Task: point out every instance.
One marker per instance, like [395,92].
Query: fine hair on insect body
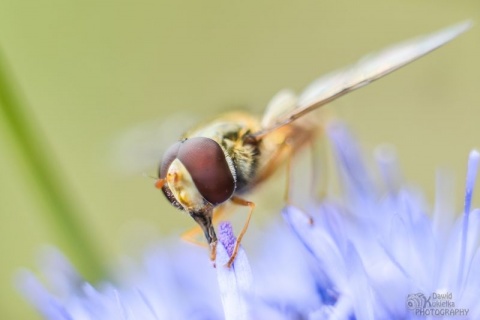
[221,160]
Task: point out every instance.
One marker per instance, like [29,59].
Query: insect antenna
[158,182]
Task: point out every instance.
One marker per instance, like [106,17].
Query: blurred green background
[90,71]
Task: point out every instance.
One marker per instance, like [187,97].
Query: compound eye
[207,164]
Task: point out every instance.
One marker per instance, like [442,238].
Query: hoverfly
[225,158]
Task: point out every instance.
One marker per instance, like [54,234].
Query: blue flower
[372,252]
[235,283]
[170,284]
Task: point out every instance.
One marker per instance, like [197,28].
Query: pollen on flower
[226,236]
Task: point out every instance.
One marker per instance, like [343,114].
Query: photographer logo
[435,304]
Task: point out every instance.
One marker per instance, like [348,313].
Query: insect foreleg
[244,203]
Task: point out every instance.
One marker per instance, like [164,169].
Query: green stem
[64,214]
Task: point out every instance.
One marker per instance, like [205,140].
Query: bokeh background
[90,71]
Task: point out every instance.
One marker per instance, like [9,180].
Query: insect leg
[319,158]
[288,177]
[244,203]
[191,236]
[317,187]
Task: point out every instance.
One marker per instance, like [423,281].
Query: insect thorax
[244,155]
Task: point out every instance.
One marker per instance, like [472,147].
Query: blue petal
[352,170]
[322,247]
[47,304]
[473,163]
[236,282]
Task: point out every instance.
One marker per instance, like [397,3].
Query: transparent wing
[139,149]
[367,70]
[283,102]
